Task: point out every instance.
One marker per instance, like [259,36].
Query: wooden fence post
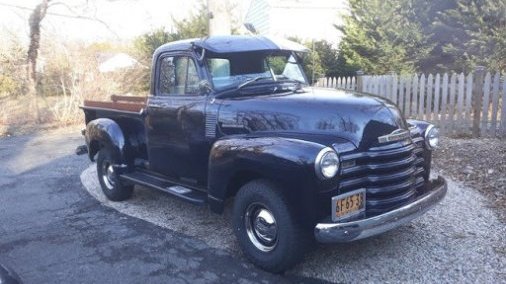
[444,102]
[394,89]
[460,126]
[495,103]
[469,97]
[479,74]
[503,111]
[485,102]
[360,82]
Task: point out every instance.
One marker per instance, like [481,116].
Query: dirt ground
[18,115]
[479,163]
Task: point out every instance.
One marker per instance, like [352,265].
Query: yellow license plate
[348,204]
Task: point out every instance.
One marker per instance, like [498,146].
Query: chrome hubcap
[108,176]
[261,227]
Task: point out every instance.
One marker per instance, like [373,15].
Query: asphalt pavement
[53,231]
[57,227]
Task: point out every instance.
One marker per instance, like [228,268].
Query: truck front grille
[392,174]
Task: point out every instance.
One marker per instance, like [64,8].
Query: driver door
[176,121]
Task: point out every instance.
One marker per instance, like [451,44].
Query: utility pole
[313,59]
[219,17]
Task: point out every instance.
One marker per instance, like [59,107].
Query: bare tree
[34,21]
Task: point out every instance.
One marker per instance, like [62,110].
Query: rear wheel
[266,229]
[108,178]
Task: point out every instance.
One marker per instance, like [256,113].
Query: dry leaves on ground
[480,163]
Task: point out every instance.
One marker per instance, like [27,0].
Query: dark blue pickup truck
[233,117]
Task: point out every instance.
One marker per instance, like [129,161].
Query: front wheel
[108,178]
[267,231]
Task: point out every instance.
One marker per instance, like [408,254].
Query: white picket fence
[348,83]
[450,101]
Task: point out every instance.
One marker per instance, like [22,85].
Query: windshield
[233,70]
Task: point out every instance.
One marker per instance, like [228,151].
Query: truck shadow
[327,262]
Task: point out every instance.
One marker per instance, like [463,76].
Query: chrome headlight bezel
[323,171]
[431,137]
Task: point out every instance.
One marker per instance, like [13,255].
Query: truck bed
[119,108]
[118,103]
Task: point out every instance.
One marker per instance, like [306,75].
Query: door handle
[156,106]
[143,112]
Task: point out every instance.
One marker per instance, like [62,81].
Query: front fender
[421,125]
[104,132]
[287,162]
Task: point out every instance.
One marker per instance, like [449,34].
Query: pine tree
[379,37]
[333,62]
[427,13]
[476,31]
[425,35]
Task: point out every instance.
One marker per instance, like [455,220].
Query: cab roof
[233,43]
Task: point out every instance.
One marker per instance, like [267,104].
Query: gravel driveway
[459,241]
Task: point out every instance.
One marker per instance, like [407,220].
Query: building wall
[258,15]
[305,19]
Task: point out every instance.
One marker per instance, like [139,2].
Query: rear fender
[104,132]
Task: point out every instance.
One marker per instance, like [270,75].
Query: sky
[123,19]
[126,19]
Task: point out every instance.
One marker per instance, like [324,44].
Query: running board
[145,179]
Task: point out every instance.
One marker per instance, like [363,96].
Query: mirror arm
[205,87]
[201,58]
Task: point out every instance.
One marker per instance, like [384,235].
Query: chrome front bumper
[355,230]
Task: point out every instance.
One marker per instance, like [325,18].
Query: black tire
[292,240]
[110,183]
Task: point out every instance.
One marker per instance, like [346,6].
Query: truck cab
[235,118]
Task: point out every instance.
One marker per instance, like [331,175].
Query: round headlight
[327,163]
[431,137]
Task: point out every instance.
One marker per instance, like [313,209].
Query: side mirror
[205,87]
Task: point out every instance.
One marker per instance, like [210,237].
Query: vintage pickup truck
[234,118]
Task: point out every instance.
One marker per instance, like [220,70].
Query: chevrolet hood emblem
[396,135]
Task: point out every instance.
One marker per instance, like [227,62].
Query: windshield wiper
[232,92]
[242,85]
[298,84]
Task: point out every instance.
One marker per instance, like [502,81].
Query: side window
[178,76]
[181,67]
[167,76]
[220,71]
[192,81]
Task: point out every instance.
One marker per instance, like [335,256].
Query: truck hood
[358,118]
